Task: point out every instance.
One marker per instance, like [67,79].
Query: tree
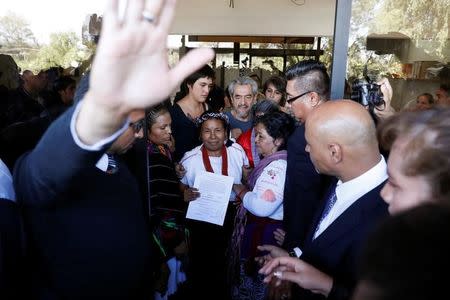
[418,19]
[63,50]
[15,32]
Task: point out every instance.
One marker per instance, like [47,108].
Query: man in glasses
[308,86]
[125,141]
[88,231]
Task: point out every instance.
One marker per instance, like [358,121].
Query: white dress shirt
[97,146]
[6,183]
[349,192]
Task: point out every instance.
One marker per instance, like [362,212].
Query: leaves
[15,32]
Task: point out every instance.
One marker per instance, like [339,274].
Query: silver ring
[147,16]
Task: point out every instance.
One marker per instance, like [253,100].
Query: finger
[280,231]
[192,61]
[265,248]
[166,17]
[289,276]
[153,8]
[268,278]
[270,266]
[110,20]
[259,260]
[133,11]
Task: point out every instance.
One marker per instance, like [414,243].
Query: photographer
[376,97]
[387,110]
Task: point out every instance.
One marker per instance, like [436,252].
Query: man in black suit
[308,86]
[341,141]
[11,247]
[90,235]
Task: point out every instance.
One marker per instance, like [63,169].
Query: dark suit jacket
[335,251]
[303,190]
[88,232]
[12,271]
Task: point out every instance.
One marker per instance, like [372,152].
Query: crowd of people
[329,199]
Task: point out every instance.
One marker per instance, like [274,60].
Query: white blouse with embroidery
[266,198]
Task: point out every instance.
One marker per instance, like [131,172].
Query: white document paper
[215,191]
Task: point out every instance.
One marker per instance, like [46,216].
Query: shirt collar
[102,163]
[357,187]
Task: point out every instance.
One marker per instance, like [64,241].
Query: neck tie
[112,165]
[328,206]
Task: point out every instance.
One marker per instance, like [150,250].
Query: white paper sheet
[215,191]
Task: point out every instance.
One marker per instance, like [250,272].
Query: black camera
[367,93]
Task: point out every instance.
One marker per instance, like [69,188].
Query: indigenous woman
[217,155]
[261,212]
[167,205]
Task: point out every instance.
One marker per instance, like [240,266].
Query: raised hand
[386,90]
[131,69]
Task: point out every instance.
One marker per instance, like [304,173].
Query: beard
[241,113]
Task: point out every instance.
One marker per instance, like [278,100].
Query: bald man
[341,141]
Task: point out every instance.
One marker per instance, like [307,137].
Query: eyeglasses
[137,126]
[290,100]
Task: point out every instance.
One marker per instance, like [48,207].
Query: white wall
[255,17]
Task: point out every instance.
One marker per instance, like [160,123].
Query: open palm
[131,70]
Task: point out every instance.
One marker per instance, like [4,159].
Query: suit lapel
[318,214]
[347,221]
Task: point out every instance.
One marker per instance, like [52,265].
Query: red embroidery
[269,196]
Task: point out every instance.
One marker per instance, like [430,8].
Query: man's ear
[314,99]
[335,152]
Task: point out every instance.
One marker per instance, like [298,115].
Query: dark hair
[279,125]
[209,115]
[154,112]
[263,107]
[445,88]
[280,84]
[310,75]
[205,71]
[429,97]
[62,83]
[427,137]
[407,257]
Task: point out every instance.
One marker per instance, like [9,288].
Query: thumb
[191,62]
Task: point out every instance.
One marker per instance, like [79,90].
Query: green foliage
[17,39]
[64,49]
[15,32]
[418,19]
